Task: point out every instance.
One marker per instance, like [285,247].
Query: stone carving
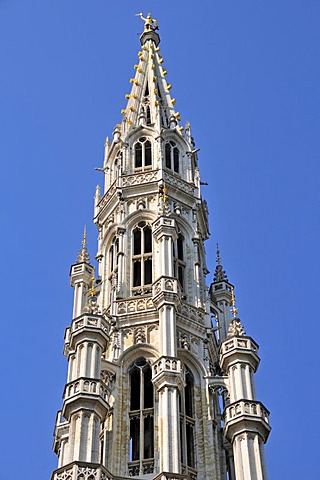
[236,328]
[139,335]
[66,475]
[107,377]
[139,178]
[132,306]
[192,313]
[91,306]
[107,196]
[179,183]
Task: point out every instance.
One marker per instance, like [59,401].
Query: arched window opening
[187,424]
[172,156]
[143,152]
[142,259]
[138,155]
[141,414]
[113,260]
[148,116]
[178,260]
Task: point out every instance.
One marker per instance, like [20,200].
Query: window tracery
[179,264]
[172,156]
[187,423]
[142,153]
[142,258]
[141,414]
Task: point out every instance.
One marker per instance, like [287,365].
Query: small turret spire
[219,274]
[83,255]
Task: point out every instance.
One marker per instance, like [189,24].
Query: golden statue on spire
[149,22]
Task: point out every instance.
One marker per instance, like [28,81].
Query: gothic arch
[194,364]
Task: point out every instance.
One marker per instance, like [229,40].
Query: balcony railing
[87,386]
[81,471]
[246,407]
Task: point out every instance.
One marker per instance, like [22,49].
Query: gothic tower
[160,373]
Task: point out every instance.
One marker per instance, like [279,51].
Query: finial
[234,309]
[149,22]
[84,241]
[219,274]
[83,255]
[218,255]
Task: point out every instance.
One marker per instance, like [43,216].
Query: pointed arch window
[112,264]
[142,153]
[142,258]
[179,264]
[187,424]
[141,414]
[172,156]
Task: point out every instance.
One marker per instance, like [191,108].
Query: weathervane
[149,22]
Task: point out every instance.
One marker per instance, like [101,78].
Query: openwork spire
[219,274]
[83,255]
[149,101]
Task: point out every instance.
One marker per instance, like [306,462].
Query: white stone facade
[157,388]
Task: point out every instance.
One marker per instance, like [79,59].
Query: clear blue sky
[246,75]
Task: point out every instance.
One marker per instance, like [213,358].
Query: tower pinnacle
[149,352]
[219,274]
[83,255]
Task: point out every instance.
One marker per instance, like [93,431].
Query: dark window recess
[141,411]
[134,438]
[172,156]
[146,92]
[187,422]
[168,155]
[148,271]
[178,260]
[137,241]
[142,255]
[176,159]
[135,389]
[148,437]
[147,240]
[147,152]
[143,152]
[148,116]
[138,155]
[136,273]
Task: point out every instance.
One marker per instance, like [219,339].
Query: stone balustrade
[246,408]
[166,364]
[166,284]
[172,476]
[89,321]
[88,386]
[81,471]
[239,343]
[106,197]
[139,178]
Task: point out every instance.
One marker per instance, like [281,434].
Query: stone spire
[83,255]
[219,274]
[149,101]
